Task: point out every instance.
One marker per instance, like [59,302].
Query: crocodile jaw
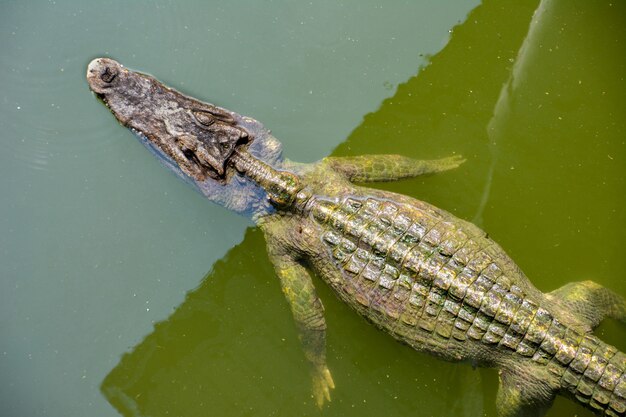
[198,137]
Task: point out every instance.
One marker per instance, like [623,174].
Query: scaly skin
[429,279]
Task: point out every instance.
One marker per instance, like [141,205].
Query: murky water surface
[123,290]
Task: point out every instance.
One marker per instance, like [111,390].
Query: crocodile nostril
[108,75]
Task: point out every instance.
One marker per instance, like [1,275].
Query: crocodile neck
[282,187]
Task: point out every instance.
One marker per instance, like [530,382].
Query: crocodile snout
[102,73]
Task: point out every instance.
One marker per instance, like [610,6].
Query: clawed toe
[322,384]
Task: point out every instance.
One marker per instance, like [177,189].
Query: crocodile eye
[204,118]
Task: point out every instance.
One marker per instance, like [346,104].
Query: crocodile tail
[596,377]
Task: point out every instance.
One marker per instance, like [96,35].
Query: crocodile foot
[445,164]
[322,384]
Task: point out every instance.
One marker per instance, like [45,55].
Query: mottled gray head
[192,138]
[199,137]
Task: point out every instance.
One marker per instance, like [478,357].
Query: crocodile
[432,281]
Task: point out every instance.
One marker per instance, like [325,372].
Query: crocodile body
[429,279]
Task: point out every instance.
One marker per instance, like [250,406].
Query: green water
[123,289]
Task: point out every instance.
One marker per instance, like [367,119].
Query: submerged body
[429,279]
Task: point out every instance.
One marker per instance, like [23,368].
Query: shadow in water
[231,348]
[445,108]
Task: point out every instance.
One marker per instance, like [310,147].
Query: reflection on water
[99,242]
[502,110]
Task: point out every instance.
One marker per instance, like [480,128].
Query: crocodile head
[192,138]
[197,137]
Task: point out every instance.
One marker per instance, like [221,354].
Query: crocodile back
[435,282]
[416,271]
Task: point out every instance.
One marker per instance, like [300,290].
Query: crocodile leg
[591,302]
[371,168]
[308,313]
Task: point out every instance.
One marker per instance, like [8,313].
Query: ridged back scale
[411,269]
